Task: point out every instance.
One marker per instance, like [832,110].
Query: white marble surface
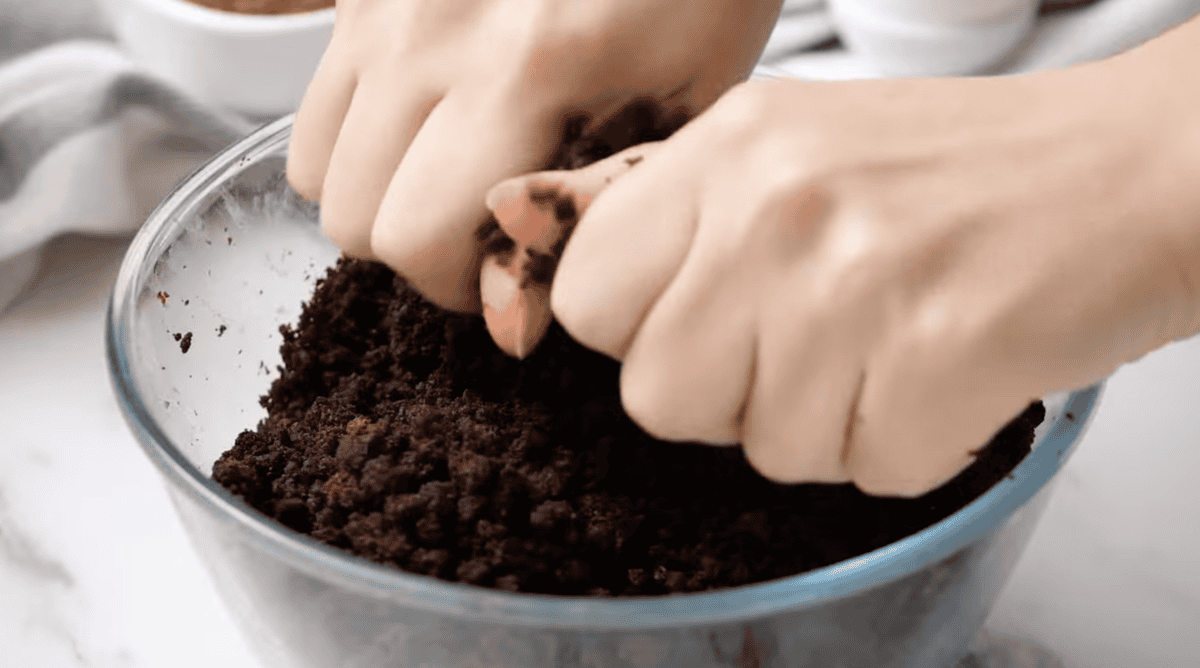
[96,572]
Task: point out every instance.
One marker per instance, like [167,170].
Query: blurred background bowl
[257,65]
[231,255]
[917,38]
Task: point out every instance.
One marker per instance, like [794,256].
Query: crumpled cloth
[90,143]
[1062,37]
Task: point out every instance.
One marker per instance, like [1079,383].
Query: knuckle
[776,462]
[649,401]
[303,181]
[875,481]
[940,337]
[785,454]
[347,236]
[304,171]
[443,279]
[578,316]
[872,484]
[384,240]
[546,76]
[757,456]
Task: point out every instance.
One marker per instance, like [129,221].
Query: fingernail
[530,215]
[499,288]
[516,317]
[505,190]
[534,316]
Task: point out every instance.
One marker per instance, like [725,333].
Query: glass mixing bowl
[193,341]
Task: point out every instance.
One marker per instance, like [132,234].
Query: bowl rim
[984,515]
[219,20]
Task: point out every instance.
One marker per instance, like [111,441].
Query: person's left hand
[419,106]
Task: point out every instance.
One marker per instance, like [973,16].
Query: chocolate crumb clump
[400,432]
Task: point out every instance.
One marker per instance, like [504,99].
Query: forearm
[1154,94]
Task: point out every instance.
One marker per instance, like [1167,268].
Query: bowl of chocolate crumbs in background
[370,482]
[253,57]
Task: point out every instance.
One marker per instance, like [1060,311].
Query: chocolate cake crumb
[185,344]
[399,432]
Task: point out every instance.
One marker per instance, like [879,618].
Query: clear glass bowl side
[295,619]
[231,255]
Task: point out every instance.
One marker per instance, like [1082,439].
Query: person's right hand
[864,281]
[419,106]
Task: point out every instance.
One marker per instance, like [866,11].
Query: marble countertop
[95,570]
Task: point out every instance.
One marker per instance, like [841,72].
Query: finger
[317,125]
[689,368]
[534,216]
[380,125]
[801,408]
[526,207]
[434,206]
[517,267]
[623,253]
[927,410]
[516,310]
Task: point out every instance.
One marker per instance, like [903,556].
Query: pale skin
[856,281]
[420,106]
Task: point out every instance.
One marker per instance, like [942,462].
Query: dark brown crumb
[400,433]
[163,297]
[186,343]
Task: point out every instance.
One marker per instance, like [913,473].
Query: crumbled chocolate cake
[401,433]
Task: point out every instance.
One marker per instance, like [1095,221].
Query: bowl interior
[193,342]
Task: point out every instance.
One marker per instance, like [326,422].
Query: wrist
[1168,66]
[1152,96]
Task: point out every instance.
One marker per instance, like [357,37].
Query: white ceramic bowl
[258,65]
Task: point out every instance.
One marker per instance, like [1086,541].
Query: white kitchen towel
[90,143]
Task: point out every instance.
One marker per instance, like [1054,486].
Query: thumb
[533,217]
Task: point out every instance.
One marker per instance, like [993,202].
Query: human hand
[419,106]
[864,281]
